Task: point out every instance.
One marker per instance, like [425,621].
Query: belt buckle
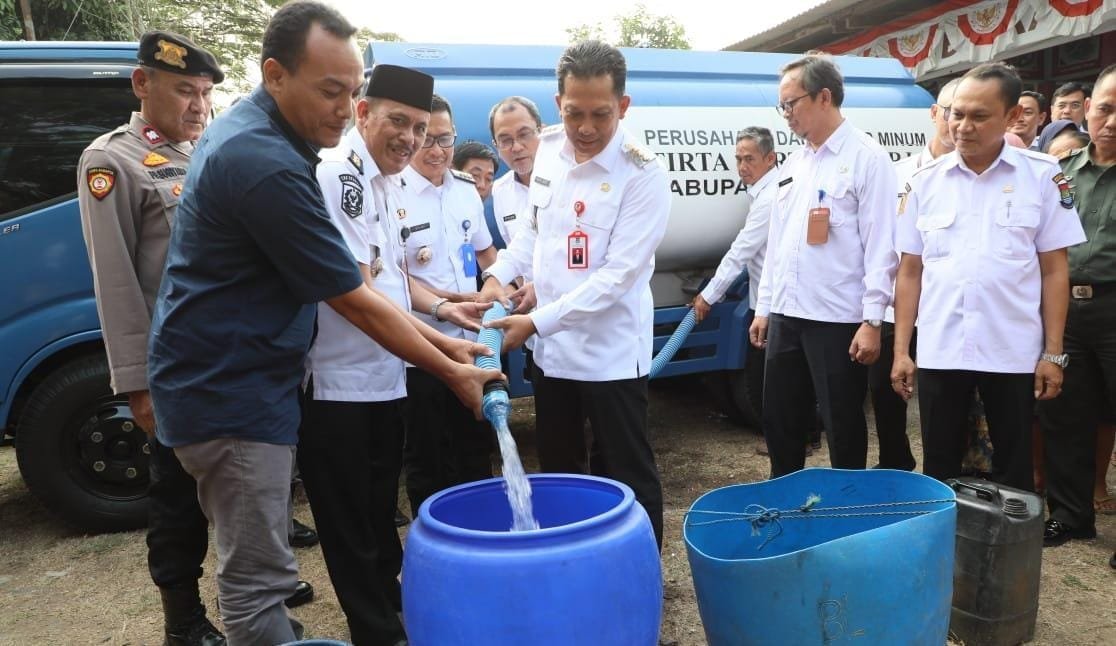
[1082,291]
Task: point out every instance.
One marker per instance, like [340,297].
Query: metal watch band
[434,308]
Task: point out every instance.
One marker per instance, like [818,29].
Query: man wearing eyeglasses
[1069,103]
[445,238]
[830,265]
[515,124]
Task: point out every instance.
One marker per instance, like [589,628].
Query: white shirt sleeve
[354,230]
[908,240]
[1059,227]
[747,244]
[639,228]
[774,232]
[876,203]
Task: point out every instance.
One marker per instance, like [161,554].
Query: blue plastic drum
[870,561]
[589,575]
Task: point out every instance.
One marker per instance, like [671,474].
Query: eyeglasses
[786,107]
[524,138]
[1075,105]
[945,111]
[443,141]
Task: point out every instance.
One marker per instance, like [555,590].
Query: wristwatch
[1060,360]
[485,275]
[434,308]
[876,323]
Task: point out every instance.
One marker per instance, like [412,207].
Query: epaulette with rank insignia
[639,155]
[356,161]
[463,176]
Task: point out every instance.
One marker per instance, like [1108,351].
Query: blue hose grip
[673,343]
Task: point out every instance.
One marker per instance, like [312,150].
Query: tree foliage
[639,28]
[231,29]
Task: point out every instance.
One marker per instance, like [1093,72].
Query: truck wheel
[739,393]
[746,388]
[80,451]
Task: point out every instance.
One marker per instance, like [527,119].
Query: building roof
[832,21]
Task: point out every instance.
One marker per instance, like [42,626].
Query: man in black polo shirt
[252,252]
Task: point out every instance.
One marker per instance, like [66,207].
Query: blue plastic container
[874,579]
[589,575]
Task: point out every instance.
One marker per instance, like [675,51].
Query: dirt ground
[61,587]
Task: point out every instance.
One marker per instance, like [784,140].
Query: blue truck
[76,444]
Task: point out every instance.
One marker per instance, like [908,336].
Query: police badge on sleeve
[352,195]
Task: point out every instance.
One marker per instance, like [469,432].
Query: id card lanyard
[468,253]
[577,243]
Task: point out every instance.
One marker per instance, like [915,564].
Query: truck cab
[77,446]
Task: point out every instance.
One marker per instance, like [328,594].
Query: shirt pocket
[936,229]
[1013,233]
[538,199]
[597,222]
[169,194]
[422,244]
[841,200]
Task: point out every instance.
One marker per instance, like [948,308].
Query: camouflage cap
[170,52]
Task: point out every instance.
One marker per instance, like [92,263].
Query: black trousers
[890,409]
[350,455]
[446,445]
[1069,421]
[620,449]
[944,397]
[177,530]
[801,354]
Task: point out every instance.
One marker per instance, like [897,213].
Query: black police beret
[402,84]
[164,50]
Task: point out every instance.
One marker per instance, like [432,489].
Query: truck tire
[739,393]
[746,388]
[80,452]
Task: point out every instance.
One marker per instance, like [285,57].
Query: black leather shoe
[202,633]
[401,519]
[1054,533]
[1112,561]
[184,620]
[303,536]
[304,593]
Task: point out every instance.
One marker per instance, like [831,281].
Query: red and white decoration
[958,34]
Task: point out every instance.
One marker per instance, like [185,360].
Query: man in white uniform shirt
[889,408]
[447,238]
[983,233]
[515,124]
[828,278]
[351,437]
[755,161]
[599,205]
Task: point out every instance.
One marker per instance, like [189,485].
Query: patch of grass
[99,544]
[1074,582]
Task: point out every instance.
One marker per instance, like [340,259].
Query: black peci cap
[402,84]
[170,52]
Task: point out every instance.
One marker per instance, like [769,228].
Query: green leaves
[640,28]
